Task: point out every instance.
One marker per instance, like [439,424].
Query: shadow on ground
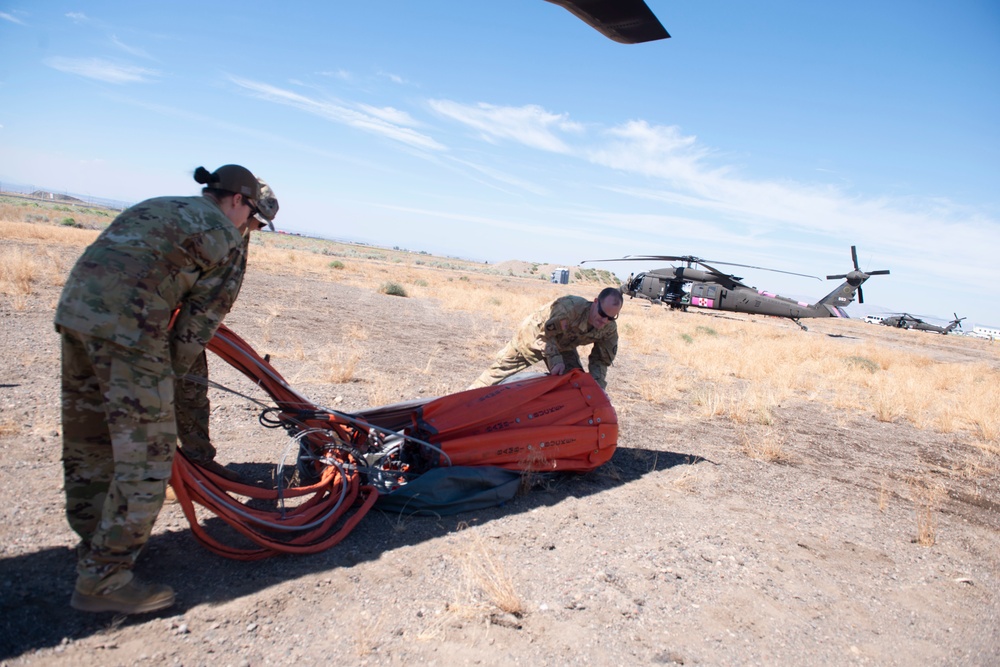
[35,589]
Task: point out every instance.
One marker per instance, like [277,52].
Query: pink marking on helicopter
[702,302]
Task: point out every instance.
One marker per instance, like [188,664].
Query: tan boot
[110,594]
[170,497]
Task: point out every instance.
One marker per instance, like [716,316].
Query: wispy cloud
[530,125]
[395,78]
[701,190]
[10,17]
[496,176]
[387,122]
[696,181]
[389,115]
[131,50]
[78,17]
[341,74]
[102,70]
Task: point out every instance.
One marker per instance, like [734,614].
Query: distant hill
[52,196]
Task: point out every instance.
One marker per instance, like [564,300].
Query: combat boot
[170,496]
[121,593]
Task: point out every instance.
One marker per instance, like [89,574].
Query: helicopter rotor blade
[697,260]
[861,295]
[883,272]
[854,257]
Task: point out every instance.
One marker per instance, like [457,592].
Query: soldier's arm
[601,357]
[209,300]
[559,318]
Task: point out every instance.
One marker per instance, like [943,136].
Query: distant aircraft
[680,287]
[624,21]
[907,321]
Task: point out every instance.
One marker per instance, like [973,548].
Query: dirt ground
[681,551]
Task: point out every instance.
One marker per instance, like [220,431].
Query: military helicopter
[680,287]
[624,21]
[907,321]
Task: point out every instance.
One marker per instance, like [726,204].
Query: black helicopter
[713,289]
[907,321]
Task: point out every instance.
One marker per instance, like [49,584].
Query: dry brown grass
[367,633]
[739,369]
[383,389]
[486,582]
[927,497]
[338,364]
[36,234]
[744,370]
[883,495]
[10,427]
[763,444]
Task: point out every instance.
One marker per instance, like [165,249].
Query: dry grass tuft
[338,364]
[926,498]
[383,389]
[367,633]
[485,578]
[10,427]
[883,495]
[763,444]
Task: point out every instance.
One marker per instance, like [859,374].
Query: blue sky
[773,133]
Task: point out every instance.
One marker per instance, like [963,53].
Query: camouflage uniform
[552,333]
[191,403]
[120,360]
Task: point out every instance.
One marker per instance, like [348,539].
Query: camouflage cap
[231,178]
[267,205]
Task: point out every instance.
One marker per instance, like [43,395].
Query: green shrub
[392,289]
[420,282]
[68,222]
[864,363]
[336,264]
[687,338]
[708,331]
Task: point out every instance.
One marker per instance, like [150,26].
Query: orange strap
[331,507]
[334,506]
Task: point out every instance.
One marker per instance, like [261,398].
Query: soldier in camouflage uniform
[192,407]
[120,358]
[554,331]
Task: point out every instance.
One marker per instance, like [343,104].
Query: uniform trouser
[511,360]
[192,410]
[119,438]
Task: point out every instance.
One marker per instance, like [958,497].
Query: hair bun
[203,176]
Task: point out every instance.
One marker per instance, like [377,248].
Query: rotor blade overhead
[624,21]
[854,256]
[695,260]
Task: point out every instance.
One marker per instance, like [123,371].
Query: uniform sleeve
[208,301]
[560,315]
[601,356]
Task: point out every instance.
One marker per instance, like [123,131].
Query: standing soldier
[553,332]
[169,258]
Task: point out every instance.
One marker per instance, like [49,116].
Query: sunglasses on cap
[600,311]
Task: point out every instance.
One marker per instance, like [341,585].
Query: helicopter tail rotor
[857,276]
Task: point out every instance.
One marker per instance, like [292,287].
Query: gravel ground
[681,550]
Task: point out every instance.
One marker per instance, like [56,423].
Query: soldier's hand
[558,369]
